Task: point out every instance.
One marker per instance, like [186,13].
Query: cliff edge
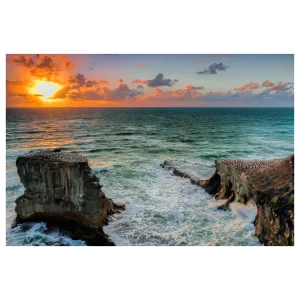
[61,187]
[269,183]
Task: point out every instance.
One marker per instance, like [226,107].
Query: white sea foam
[168,210]
[246,213]
[35,234]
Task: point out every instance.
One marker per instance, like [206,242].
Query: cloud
[189,93]
[243,96]
[139,81]
[78,80]
[159,80]
[278,86]
[102,82]
[17,87]
[79,87]
[89,95]
[248,86]
[43,67]
[84,92]
[142,65]
[17,82]
[18,92]
[24,60]
[46,62]
[212,69]
[200,61]
[60,94]
[25,95]
[122,92]
[267,83]
[91,83]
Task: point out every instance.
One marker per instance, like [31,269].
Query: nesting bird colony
[56,155]
[244,165]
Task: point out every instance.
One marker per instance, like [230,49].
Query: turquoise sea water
[125,147]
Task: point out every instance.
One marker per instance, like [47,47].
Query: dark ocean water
[125,147]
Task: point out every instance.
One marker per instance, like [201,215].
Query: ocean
[125,147]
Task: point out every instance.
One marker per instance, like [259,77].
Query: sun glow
[46,89]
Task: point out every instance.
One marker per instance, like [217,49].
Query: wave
[185,141]
[168,210]
[13,187]
[102,150]
[15,153]
[127,133]
[28,132]
[98,170]
[214,156]
[38,234]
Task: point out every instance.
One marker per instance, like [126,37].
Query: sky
[149,80]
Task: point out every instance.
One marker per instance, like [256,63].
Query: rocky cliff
[60,187]
[269,183]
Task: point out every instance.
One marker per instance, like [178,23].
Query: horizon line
[207,53]
[150,107]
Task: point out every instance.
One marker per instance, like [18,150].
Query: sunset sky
[56,80]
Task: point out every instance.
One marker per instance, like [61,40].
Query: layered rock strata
[60,187]
[269,183]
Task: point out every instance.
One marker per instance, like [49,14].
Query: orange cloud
[61,94]
[74,87]
[142,65]
[278,86]
[267,83]
[188,93]
[17,94]
[139,81]
[248,86]
[43,67]
[102,81]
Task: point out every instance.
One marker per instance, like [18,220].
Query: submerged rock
[60,187]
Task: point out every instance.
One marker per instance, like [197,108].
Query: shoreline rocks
[269,183]
[60,188]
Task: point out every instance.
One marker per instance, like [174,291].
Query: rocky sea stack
[269,183]
[60,188]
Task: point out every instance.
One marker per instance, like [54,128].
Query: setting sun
[47,89]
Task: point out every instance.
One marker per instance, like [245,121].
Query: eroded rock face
[61,186]
[269,183]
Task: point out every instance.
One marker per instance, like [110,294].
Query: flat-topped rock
[60,187]
[55,155]
[245,165]
[268,183]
